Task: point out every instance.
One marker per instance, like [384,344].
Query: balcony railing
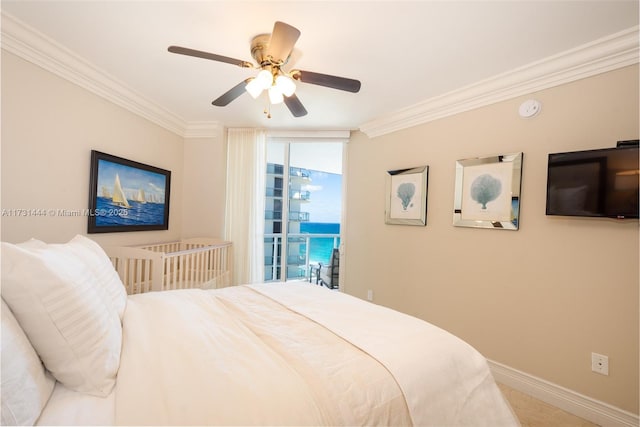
[299,195]
[298,261]
[298,216]
[299,172]
[293,216]
[272,214]
[274,169]
[274,192]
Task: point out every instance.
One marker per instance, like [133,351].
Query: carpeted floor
[534,413]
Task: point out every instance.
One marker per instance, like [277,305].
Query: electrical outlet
[369,295]
[600,363]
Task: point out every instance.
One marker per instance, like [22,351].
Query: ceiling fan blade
[295,106]
[283,38]
[334,82]
[231,94]
[207,55]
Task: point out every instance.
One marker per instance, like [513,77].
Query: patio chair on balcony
[329,275]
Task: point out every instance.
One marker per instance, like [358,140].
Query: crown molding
[203,130]
[606,54]
[33,46]
[315,135]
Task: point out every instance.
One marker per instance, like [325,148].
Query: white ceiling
[403,52]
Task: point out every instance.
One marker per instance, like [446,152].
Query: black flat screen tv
[594,183]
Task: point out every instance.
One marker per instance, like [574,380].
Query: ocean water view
[137,213]
[320,247]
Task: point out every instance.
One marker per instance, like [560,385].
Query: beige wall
[204,186]
[540,299]
[49,127]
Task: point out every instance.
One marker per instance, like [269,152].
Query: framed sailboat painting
[125,195]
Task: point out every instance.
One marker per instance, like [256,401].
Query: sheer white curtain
[245,198]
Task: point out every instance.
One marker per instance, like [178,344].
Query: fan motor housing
[259,46]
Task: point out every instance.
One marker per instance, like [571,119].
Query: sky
[324,161]
[131,179]
[326,197]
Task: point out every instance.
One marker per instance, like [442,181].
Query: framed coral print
[127,196]
[406,198]
[487,192]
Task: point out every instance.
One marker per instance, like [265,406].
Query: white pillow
[55,298]
[107,280]
[26,386]
[32,244]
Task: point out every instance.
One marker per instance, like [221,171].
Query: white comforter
[294,354]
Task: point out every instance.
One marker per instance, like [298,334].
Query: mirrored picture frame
[406,196]
[487,192]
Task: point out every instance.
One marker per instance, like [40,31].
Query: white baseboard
[570,401]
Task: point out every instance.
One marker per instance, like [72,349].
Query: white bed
[265,354]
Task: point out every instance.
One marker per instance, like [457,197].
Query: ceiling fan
[271,52]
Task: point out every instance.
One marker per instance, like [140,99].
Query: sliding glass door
[303,207]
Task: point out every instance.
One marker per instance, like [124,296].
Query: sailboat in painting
[140,197]
[118,194]
[105,192]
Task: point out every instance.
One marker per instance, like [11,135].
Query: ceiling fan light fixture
[275,96]
[254,88]
[265,79]
[286,85]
